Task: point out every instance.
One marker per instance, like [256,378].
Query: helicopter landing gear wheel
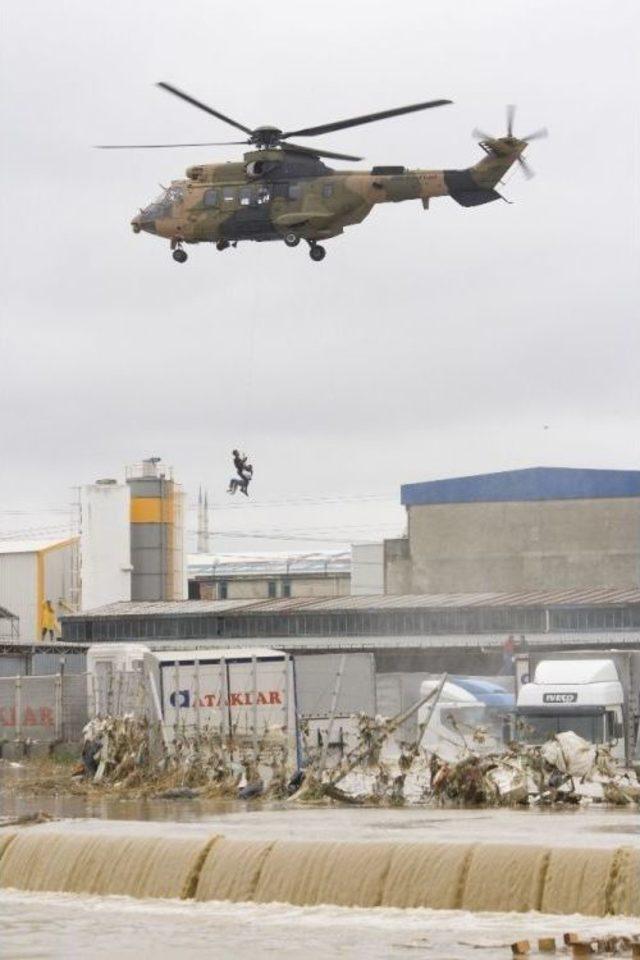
[291,239]
[317,253]
[179,255]
[222,245]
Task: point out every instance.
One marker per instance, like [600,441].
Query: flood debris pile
[573,945]
[129,753]
[564,769]
[133,754]
[366,774]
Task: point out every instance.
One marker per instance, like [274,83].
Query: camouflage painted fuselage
[275,193]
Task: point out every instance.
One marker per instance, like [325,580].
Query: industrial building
[260,576]
[32,572]
[157,533]
[132,537]
[543,528]
[130,547]
[462,632]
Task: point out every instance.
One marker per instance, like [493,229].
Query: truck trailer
[246,691]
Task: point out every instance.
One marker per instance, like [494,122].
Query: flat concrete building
[260,576]
[542,528]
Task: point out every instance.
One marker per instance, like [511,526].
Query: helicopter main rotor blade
[366,118]
[319,153]
[162,146]
[202,106]
[481,135]
[536,135]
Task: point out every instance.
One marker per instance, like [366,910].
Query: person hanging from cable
[244,471]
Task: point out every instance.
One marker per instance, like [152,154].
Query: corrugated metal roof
[610,640]
[269,564]
[32,546]
[161,608]
[532,483]
[595,596]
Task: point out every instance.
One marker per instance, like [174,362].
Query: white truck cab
[585,696]
[467,706]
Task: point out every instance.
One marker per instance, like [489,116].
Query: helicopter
[284,191]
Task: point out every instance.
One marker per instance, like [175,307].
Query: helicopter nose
[143,222]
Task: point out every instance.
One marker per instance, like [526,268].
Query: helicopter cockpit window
[174,194]
[295,191]
[228,194]
[161,206]
[327,190]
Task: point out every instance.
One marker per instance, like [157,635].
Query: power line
[305,501]
[249,535]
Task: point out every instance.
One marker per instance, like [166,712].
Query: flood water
[35,926]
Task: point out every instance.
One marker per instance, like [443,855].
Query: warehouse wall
[57,565]
[515,546]
[18,590]
[367,569]
[397,566]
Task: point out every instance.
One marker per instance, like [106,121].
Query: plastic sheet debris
[564,769]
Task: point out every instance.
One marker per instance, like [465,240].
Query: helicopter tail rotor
[502,146]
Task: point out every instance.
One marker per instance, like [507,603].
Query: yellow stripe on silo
[151,510]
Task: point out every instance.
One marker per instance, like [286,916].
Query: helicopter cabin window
[228,194]
[211,198]
[262,194]
[295,191]
[327,190]
[246,196]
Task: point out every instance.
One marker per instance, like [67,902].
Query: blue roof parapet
[532,483]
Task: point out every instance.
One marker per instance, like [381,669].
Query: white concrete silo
[105,543]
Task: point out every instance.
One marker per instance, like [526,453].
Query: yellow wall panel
[151,510]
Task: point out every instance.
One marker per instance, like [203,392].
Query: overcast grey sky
[427,344]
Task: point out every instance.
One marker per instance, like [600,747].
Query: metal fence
[118,692]
[51,708]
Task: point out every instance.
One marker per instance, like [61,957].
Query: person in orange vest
[49,622]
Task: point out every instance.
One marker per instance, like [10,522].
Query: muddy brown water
[48,924]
